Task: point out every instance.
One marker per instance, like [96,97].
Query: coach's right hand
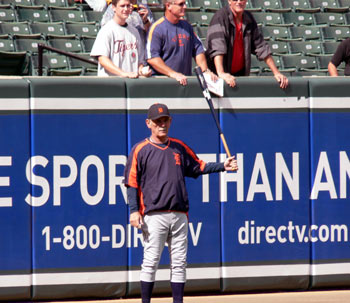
[136,219]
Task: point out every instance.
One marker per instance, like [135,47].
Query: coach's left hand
[231,164]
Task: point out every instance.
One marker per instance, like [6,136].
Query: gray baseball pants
[160,228]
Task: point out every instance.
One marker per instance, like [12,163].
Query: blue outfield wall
[280,222]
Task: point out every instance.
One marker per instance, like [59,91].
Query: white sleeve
[102,45]
[97,5]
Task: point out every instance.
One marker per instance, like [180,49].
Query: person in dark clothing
[342,54]
[233,35]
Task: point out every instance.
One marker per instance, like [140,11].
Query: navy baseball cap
[158,110]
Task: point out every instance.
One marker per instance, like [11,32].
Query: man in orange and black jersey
[155,178]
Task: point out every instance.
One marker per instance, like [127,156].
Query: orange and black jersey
[158,173]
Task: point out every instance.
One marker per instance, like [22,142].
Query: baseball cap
[158,110]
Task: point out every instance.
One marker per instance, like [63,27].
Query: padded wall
[15,212]
[266,201]
[280,222]
[80,217]
[330,172]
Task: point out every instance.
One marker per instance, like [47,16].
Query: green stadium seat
[33,14]
[270,6]
[306,32]
[306,47]
[335,32]
[256,66]
[188,4]
[301,63]
[304,65]
[344,3]
[323,62]
[329,19]
[93,16]
[299,6]
[12,63]
[15,28]
[298,19]
[254,70]
[88,42]
[330,47]
[67,15]
[68,45]
[207,4]
[82,29]
[7,44]
[153,3]
[88,68]
[278,33]
[199,18]
[278,47]
[157,15]
[7,15]
[266,71]
[202,31]
[28,45]
[327,5]
[48,29]
[347,18]
[248,6]
[268,18]
[58,3]
[56,65]
[17,2]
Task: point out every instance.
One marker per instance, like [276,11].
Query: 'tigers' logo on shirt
[177,158]
[121,47]
[180,38]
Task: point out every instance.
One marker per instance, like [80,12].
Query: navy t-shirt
[176,44]
[158,172]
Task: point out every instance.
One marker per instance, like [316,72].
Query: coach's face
[159,128]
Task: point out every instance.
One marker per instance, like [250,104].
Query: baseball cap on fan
[158,110]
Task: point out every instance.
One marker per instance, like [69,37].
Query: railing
[41,48]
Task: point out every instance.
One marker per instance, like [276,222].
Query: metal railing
[41,48]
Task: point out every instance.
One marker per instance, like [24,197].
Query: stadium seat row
[293,65]
[59,3]
[45,29]
[287,19]
[51,14]
[23,43]
[300,18]
[299,5]
[280,33]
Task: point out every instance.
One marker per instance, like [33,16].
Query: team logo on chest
[180,39]
[177,158]
[121,46]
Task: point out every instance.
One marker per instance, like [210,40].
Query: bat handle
[225,145]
